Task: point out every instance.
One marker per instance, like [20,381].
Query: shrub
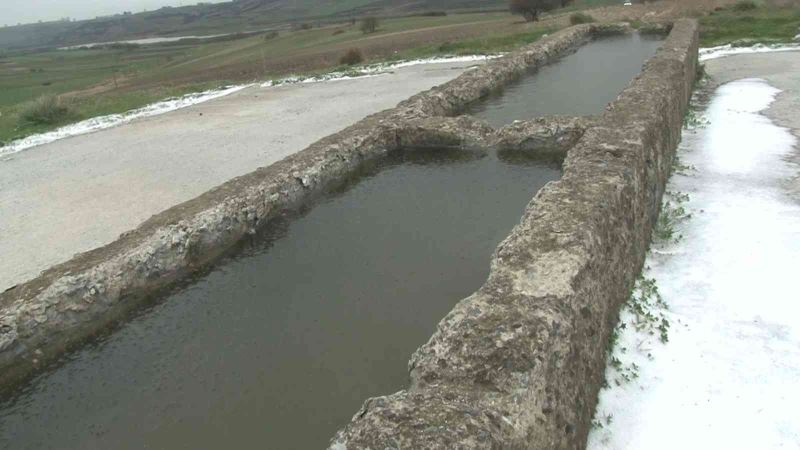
[745,5]
[339,31]
[446,47]
[579,18]
[369,25]
[352,56]
[46,110]
[270,35]
[429,14]
[126,46]
[530,10]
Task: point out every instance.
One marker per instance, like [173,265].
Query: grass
[579,18]
[645,312]
[145,74]
[115,79]
[13,124]
[149,73]
[745,5]
[351,57]
[46,110]
[751,25]
[205,18]
[480,46]
[673,213]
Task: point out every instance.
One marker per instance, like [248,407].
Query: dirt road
[80,193]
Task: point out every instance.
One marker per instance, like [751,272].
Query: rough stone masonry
[41,319]
[515,365]
[519,363]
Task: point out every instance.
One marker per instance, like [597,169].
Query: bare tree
[531,9]
[369,25]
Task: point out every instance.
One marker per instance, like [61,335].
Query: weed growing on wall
[673,213]
[603,421]
[692,120]
[645,320]
[679,168]
[645,312]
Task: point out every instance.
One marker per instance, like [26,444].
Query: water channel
[580,83]
[280,344]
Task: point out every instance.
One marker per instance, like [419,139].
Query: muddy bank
[40,319]
[518,364]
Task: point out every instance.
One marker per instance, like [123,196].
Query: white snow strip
[172,104]
[728,50]
[103,122]
[729,377]
[144,41]
[376,69]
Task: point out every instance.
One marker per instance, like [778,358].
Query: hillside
[229,17]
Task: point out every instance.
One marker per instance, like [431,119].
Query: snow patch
[728,50]
[375,69]
[144,41]
[728,377]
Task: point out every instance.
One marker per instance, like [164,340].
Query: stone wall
[515,365]
[520,362]
[44,317]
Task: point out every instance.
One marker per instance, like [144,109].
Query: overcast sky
[29,11]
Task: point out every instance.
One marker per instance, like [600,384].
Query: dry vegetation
[351,57]
[112,80]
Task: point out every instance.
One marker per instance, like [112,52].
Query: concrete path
[80,193]
[781,70]
[728,376]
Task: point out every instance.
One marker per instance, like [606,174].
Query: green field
[217,18]
[101,81]
[479,46]
[135,76]
[27,77]
[765,25]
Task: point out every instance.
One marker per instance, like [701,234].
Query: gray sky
[29,11]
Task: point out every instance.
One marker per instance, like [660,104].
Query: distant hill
[217,18]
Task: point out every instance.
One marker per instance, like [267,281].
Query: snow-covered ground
[730,50]
[729,375]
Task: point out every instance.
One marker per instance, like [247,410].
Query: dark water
[581,83]
[279,346]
